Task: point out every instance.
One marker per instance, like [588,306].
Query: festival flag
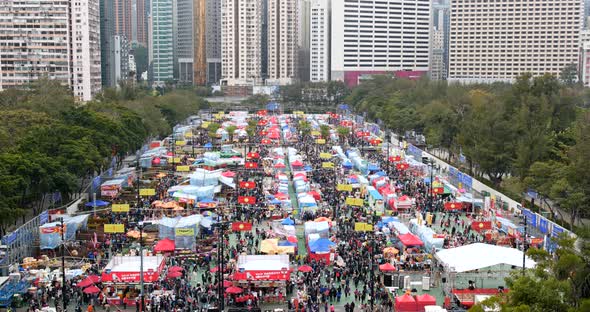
[402,166]
[481,225]
[253,155]
[395,158]
[262,112]
[454,206]
[247,184]
[250,200]
[241,226]
[263,133]
[265,141]
[251,165]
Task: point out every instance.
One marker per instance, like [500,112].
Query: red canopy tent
[280,165]
[405,303]
[424,300]
[92,279]
[315,195]
[297,163]
[165,245]
[274,135]
[281,196]
[91,290]
[387,267]
[228,174]
[410,240]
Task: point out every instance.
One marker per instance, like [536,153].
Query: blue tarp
[372,167]
[321,245]
[347,164]
[97,203]
[287,243]
[288,221]
[208,145]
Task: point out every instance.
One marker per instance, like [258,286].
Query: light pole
[63,264]
[524,246]
[141,226]
[387,140]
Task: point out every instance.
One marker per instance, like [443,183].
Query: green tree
[231,130]
[325,131]
[569,74]
[343,133]
[141,59]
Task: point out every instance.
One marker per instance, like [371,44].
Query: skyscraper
[191,48]
[439,55]
[304,41]
[241,44]
[123,11]
[379,37]
[213,40]
[497,40]
[85,47]
[282,41]
[140,25]
[162,41]
[319,57]
[29,50]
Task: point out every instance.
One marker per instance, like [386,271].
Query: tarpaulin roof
[478,256]
[321,245]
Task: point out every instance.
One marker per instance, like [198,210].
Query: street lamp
[387,140]
[63,263]
[141,225]
[432,166]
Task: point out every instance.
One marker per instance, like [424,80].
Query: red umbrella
[228,174]
[234,290]
[165,245]
[305,268]
[175,274]
[292,239]
[91,290]
[227,284]
[91,279]
[387,267]
[280,165]
[175,269]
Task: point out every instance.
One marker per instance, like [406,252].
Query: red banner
[206,205]
[454,206]
[250,200]
[438,190]
[263,133]
[251,165]
[252,155]
[375,142]
[265,141]
[149,276]
[241,226]
[481,225]
[536,241]
[283,275]
[395,158]
[262,113]
[247,184]
[402,166]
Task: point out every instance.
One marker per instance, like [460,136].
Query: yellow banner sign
[327,165]
[180,143]
[221,113]
[205,124]
[114,228]
[344,187]
[175,160]
[325,155]
[188,135]
[299,113]
[355,201]
[183,168]
[315,133]
[185,232]
[363,227]
[320,141]
[218,116]
[120,207]
[147,192]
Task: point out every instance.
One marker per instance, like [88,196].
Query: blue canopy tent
[288,221]
[97,203]
[381,174]
[287,243]
[347,164]
[373,167]
[208,145]
[275,201]
[321,245]
[308,168]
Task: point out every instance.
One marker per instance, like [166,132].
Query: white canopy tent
[478,256]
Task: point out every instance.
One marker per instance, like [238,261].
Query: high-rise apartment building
[34,45]
[161,45]
[213,40]
[85,46]
[123,11]
[118,60]
[379,37]
[241,42]
[191,50]
[499,40]
[283,32]
[139,22]
[319,56]
[107,31]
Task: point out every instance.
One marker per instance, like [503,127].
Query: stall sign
[363,227]
[205,124]
[325,155]
[354,201]
[176,160]
[185,232]
[282,275]
[247,184]
[344,187]
[188,135]
[250,200]
[454,206]
[481,225]
[251,165]
[147,192]
[320,141]
[328,165]
[114,228]
[241,226]
[180,143]
[315,133]
[120,208]
[183,168]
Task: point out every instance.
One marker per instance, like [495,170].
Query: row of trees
[531,134]
[49,143]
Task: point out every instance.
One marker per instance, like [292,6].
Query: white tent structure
[478,256]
